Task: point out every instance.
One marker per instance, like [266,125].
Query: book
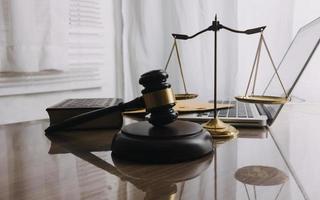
[73,107]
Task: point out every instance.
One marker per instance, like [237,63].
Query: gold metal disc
[261,175]
[219,129]
[185,96]
[260,99]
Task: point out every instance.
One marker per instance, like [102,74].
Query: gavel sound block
[177,142]
[163,139]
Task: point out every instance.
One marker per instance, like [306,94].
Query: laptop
[290,70]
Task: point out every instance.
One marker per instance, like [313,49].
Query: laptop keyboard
[242,110]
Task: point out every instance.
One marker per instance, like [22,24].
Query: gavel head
[158,97]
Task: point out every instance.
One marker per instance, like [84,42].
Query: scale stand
[215,126]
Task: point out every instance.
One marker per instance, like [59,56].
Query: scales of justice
[215,126]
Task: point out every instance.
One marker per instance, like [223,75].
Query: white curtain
[33,35]
[144,43]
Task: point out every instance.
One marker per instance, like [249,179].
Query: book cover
[73,107]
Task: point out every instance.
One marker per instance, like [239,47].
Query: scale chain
[254,64]
[257,66]
[172,48]
[273,65]
[175,46]
[180,66]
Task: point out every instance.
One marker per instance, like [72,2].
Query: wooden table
[79,165]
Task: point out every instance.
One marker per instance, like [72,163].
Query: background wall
[283,18]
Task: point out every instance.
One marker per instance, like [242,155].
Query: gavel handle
[88,116]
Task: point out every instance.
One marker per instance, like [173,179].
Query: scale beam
[216,26]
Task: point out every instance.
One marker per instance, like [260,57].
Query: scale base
[177,142]
[219,129]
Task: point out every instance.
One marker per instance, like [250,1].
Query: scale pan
[260,99]
[185,96]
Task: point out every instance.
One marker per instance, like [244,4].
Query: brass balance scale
[215,126]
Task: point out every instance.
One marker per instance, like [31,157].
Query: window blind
[86,56]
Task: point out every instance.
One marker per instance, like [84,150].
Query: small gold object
[219,129]
[159,98]
[262,99]
[186,95]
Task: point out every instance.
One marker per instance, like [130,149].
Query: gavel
[157,98]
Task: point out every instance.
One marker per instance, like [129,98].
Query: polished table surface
[277,163]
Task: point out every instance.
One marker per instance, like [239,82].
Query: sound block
[176,142]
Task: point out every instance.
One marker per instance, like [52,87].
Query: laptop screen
[293,64]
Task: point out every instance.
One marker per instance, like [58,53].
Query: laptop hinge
[264,111]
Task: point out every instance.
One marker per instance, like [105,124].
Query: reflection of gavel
[155,180]
[157,98]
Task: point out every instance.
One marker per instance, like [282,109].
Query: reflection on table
[79,165]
